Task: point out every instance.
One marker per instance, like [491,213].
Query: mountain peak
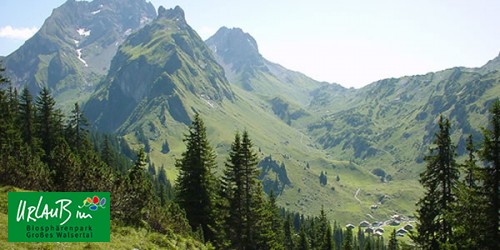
[176,13]
[236,48]
[236,36]
[77,42]
[493,64]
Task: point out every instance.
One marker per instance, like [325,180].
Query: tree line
[460,208]
[233,212]
[43,150]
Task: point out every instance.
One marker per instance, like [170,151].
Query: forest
[41,149]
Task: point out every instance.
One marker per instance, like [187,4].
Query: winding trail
[356,195]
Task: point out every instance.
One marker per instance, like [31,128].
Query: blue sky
[351,42]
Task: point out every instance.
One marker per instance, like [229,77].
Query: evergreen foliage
[42,150]
[439,179]
[393,241]
[196,184]
[38,152]
[490,154]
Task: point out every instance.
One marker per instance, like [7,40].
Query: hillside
[164,73]
[390,124]
[245,67]
[147,75]
[74,47]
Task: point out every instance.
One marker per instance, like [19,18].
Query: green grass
[122,237]
[286,144]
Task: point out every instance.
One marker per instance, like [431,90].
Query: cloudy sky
[351,42]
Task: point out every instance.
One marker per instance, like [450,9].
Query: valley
[145,78]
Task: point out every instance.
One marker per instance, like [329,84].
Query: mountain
[157,67]
[320,144]
[74,47]
[390,124]
[164,73]
[238,53]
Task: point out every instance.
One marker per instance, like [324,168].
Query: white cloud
[17,33]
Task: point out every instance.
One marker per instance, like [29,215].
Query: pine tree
[271,235]
[469,213]
[348,242]
[233,192]
[288,236]
[26,119]
[303,240]
[439,179]
[324,231]
[165,188]
[491,155]
[361,238]
[338,235]
[328,243]
[10,138]
[76,130]
[48,122]
[248,220]
[34,174]
[196,183]
[250,185]
[141,194]
[107,153]
[393,241]
[66,169]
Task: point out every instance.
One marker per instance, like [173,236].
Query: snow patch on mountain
[79,54]
[83,32]
[145,20]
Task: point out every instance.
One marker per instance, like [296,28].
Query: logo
[56,217]
[93,204]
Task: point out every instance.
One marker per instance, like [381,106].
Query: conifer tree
[66,169]
[328,243]
[107,153]
[303,240]
[324,231]
[469,213]
[393,241]
[439,179]
[348,241]
[165,188]
[196,183]
[10,139]
[250,185]
[232,182]
[34,174]
[26,119]
[338,236]
[76,130]
[141,194]
[288,236]
[491,155]
[48,122]
[249,219]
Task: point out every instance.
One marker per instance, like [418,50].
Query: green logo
[58,217]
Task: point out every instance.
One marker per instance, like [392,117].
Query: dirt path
[356,195]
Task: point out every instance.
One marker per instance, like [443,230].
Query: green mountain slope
[155,69]
[164,73]
[368,142]
[245,67]
[390,124]
[74,47]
